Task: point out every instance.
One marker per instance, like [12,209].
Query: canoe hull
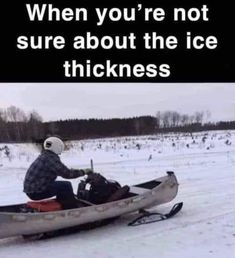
[15,223]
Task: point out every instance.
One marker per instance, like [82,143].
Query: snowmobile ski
[151,217]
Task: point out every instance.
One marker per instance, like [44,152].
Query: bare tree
[166,118]
[184,119]
[15,114]
[175,118]
[34,116]
[199,117]
[35,128]
[158,120]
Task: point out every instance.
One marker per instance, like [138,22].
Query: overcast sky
[99,100]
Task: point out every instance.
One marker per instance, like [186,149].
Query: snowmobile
[41,218]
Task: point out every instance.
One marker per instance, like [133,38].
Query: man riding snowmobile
[40,180]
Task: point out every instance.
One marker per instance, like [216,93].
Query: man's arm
[63,171]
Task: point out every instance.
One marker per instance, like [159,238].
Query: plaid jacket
[44,170]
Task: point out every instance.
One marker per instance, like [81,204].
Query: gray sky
[99,100]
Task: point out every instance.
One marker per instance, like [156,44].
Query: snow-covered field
[204,164]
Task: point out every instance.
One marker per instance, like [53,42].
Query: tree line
[17,126]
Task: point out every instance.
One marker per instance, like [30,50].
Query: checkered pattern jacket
[44,170]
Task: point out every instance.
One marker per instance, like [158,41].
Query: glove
[87,171]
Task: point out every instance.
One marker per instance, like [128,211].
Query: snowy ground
[204,164]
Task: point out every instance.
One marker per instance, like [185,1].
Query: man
[40,180]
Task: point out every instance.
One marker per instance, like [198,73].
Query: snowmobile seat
[119,194]
[45,205]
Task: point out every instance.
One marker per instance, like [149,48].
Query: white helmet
[54,144]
